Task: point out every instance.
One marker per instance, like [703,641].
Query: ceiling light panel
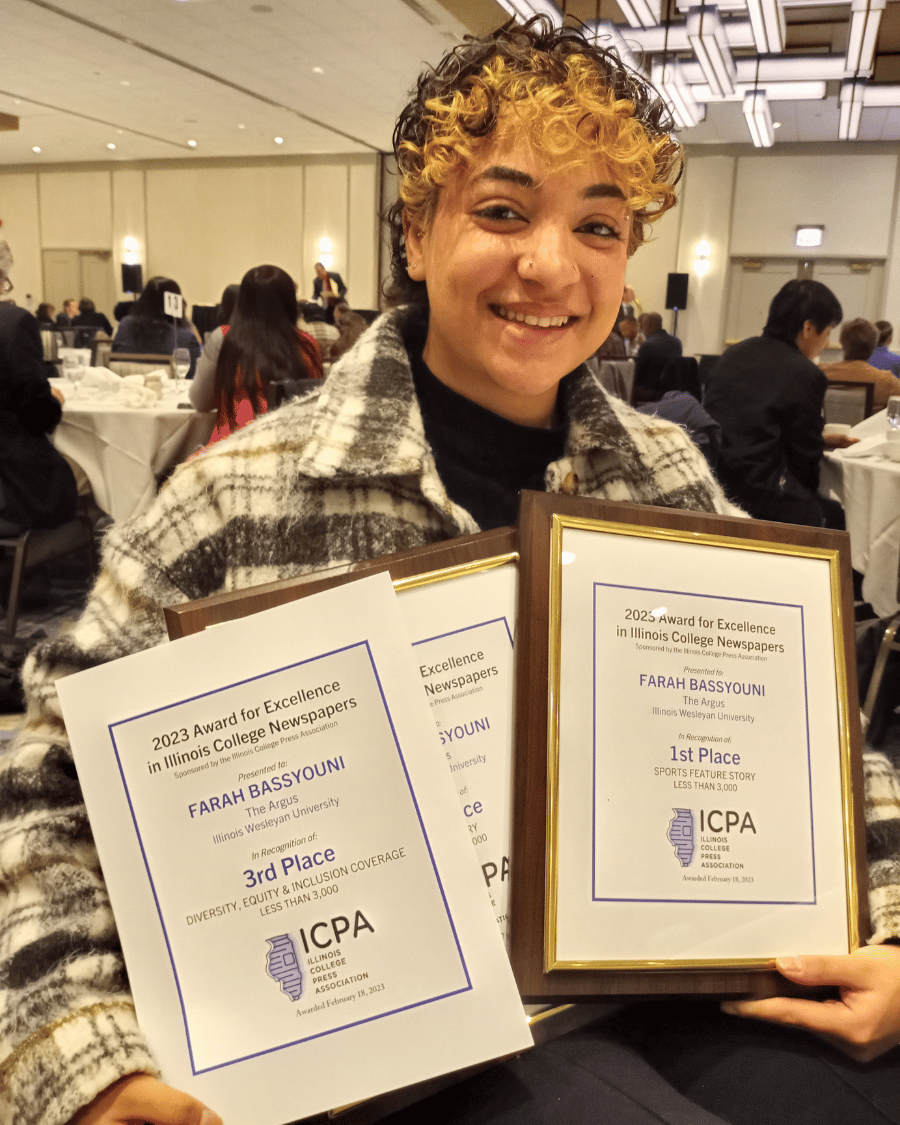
[767,20]
[865,18]
[641,13]
[851,104]
[708,40]
[759,118]
[677,93]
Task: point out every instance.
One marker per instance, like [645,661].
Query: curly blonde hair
[572,98]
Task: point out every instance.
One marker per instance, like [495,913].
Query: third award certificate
[698,769]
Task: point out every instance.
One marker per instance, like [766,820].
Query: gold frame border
[831,556]
[461,570]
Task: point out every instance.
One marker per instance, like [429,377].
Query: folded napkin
[875,445]
[100,378]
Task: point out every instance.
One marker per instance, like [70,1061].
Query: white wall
[748,205]
[851,196]
[203,223]
[20,213]
[708,196]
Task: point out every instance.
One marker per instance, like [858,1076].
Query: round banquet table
[124,450]
[869,489]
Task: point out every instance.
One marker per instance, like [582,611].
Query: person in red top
[262,337]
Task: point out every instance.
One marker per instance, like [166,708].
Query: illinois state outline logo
[681,835]
[283,965]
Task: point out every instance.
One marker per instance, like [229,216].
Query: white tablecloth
[869,489]
[123,450]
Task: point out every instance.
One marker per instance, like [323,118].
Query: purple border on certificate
[353,1023]
[711,901]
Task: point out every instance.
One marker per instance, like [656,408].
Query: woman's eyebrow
[521,179]
[509,175]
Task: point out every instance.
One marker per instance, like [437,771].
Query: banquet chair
[280,390]
[848,403]
[616,376]
[134,363]
[39,545]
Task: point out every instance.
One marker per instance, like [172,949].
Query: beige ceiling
[327,76]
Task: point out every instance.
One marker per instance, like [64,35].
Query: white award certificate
[699,764]
[298,900]
[463,630]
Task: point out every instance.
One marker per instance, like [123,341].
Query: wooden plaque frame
[534,797]
[445,559]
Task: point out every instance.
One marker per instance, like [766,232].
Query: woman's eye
[499,213]
[601,230]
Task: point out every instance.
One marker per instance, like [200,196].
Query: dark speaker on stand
[132,279]
[676,295]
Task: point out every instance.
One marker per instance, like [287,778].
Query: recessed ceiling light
[119,132]
[192,144]
[124,82]
[317,70]
[111,146]
[776,124]
[242,126]
[35,149]
[279,140]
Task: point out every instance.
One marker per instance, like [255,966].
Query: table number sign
[688,795]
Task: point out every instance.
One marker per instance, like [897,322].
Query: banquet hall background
[157,127]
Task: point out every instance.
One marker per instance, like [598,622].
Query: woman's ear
[415,257]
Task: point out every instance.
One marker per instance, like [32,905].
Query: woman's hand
[864,1023]
[139,1098]
[58,395]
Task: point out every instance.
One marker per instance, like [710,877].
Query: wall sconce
[325,255]
[702,263]
[130,255]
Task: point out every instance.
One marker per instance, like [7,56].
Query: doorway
[752,283]
[79,273]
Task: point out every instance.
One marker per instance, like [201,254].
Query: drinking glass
[181,360]
[893,414]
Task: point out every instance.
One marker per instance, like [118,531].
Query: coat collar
[366,419]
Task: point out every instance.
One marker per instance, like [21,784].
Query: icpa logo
[283,965]
[681,835]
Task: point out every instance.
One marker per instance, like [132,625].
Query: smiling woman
[531,162]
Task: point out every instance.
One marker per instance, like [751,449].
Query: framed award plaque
[688,801]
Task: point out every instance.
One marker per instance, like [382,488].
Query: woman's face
[524,268]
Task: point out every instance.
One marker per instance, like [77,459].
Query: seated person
[514,209]
[350,326]
[314,323]
[261,337]
[681,405]
[613,347]
[767,395]
[44,315]
[202,391]
[148,331]
[628,330]
[652,356]
[858,338]
[68,314]
[882,357]
[37,486]
[88,317]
